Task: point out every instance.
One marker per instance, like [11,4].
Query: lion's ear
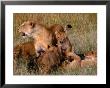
[69,26]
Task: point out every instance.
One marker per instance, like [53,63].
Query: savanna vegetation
[82,35]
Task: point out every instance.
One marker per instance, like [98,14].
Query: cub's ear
[69,26]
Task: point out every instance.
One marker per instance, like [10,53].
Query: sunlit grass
[83,35]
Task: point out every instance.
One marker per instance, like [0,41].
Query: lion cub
[63,42]
[49,60]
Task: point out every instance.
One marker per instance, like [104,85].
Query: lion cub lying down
[49,60]
[24,52]
[90,59]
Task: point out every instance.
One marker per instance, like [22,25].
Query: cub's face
[26,28]
[60,37]
[91,55]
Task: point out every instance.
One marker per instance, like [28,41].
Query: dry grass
[83,34]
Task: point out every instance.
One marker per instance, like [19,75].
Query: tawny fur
[75,63]
[43,37]
[49,60]
[63,41]
[24,52]
[90,59]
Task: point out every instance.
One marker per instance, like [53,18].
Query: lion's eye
[61,42]
[31,23]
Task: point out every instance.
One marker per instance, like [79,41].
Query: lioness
[43,37]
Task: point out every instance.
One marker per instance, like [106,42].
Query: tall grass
[83,35]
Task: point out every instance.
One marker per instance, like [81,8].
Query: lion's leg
[39,49]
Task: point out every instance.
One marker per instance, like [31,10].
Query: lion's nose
[61,42]
[23,34]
